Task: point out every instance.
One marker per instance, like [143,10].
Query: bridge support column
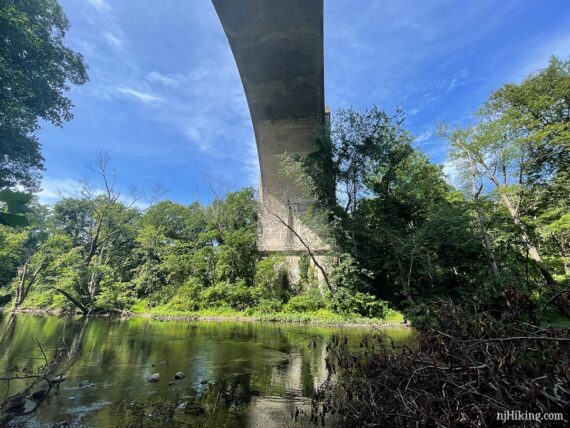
[278,49]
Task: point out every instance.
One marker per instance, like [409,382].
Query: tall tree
[520,142]
[36,69]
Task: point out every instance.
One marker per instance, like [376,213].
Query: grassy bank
[319,317]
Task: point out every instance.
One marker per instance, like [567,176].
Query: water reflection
[236,373]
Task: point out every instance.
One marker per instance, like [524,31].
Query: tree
[98,226]
[397,229]
[520,141]
[36,69]
[167,237]
[538,109]
[18,248]
[517,154]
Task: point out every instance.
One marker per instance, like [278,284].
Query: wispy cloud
[167,80]
[55,188]
[144,97]
[170,65]
[451,173]
[424,136]
[538,56]
[101,5]
[251,166]
[105,21]
[112,40]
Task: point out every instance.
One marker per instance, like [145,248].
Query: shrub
[187,297]
[271,281]
[309,302]
[238,296]
[347,302]
[467,367]
[268,306]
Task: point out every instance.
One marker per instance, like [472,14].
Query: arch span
[278,48]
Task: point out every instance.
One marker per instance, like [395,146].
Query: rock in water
[84,383]
[58,379]
[39,394]
[163,362]
[179,375]
[16,405]
[153,378]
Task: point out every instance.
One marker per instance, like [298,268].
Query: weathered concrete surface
[278,49]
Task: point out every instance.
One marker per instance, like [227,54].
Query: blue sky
[165,100]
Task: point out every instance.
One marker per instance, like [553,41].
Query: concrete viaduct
[278,49]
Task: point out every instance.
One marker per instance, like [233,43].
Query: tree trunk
[532,250]
[483,221]
[73,300]
[94,285]
[23,274]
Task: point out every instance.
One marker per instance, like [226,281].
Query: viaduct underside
[278,49]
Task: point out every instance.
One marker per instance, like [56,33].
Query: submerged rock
[203,381]
[84,383]
[16,405]
[153,378]
[39,395]
[171,383]
[179,375]
[163,362]
[58,379]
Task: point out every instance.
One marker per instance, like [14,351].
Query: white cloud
[451,173]
[424,136]
[113,40]
[54,188]
[197,136]
[145,97]
[251,166]
[538,57]
[101,5]
[167,80]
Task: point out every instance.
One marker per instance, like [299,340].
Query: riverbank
[321,317]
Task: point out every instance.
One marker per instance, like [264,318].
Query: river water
[242,374]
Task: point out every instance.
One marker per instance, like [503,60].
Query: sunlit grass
[321,316]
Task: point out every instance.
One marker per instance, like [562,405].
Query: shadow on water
[29,376]
[235,373]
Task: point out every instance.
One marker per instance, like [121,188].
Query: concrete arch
[278,49]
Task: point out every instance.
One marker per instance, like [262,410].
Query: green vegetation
[36,69]
[398,233]
[95,253]
[479,262]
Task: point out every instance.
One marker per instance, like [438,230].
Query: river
[242,374]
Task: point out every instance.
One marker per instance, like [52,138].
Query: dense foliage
[95,252]
[401,232]
[396,229]
[494,238]
[36,69]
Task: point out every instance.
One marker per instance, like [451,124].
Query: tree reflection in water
[236,373]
